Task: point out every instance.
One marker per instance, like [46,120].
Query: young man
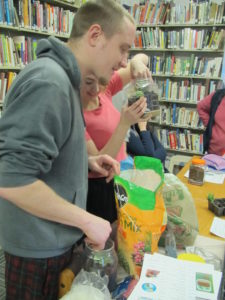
[43,161]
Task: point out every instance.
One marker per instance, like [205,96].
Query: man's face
[113,52]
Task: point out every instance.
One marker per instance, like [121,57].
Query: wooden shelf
[10,68]
[181,25]
[214,51]
[33,31]
[71,6]
[187,102]
[176,126]
[187,152]
[186,76]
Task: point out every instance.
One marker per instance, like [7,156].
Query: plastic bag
[215,161]
[88,285]
[182,217]
[141,212]
[209,257]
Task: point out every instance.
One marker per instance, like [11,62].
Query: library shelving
[22,24]
[185,45]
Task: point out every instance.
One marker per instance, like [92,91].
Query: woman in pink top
[217,141]
[106,129]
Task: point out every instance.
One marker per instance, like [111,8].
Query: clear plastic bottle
[170,243]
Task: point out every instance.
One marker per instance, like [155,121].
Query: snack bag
[181,212]
[141,212]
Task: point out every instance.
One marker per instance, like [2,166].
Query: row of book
[6,80]
[186,65]
[37,16]
[186,38]
[163,12]
[173,114]
[185,90]
[183,140]
[17,51]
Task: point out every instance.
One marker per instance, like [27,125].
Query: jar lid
[198,161]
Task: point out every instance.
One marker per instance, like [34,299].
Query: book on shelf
[3,84]
[41,16]
[6,80]
[17,50]
[180,116]
[208,67]
[180,139]
[185,90]
[163,12]
[184,39]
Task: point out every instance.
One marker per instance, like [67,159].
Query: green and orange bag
[141,212]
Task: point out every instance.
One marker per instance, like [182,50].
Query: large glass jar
[103,262]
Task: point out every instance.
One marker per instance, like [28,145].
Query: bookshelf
[22,23]
[185,45]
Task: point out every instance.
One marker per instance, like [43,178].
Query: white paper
[218,227]
[211,176]
[164,277]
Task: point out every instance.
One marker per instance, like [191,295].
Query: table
[199,194]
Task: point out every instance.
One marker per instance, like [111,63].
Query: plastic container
[217,206]
[102,262]
[170,243]
[144,88]
[197,171]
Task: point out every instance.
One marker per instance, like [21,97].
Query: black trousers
[101,199]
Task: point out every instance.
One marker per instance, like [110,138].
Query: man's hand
[97,231]
[105,165]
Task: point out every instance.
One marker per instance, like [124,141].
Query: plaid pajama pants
[34,279]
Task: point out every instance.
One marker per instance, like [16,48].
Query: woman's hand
[132,114]
[142,125]
[138,67]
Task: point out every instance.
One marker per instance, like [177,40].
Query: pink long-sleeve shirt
[102,122]
[217,142]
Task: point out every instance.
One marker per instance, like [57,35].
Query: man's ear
[95,34]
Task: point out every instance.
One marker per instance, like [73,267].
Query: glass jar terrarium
[144,88]
[103,262]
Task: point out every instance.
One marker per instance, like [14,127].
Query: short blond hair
[107,13]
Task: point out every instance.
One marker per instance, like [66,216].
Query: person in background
[216,141]
[143,142]
[106,129]
[43,158]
